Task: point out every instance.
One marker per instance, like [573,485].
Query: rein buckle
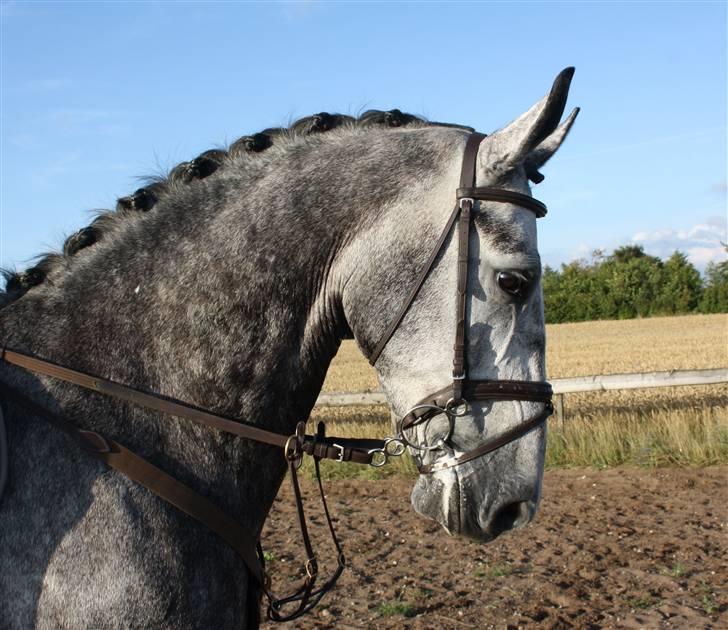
[340,448]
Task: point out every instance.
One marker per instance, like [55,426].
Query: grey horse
[230,285]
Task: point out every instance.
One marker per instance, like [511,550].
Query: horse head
[481,457]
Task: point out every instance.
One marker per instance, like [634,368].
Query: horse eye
[511,283]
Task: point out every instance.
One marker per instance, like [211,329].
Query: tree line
[630,283]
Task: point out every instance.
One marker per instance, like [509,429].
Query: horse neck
[223,297]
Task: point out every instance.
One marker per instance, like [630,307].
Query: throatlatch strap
[415,288]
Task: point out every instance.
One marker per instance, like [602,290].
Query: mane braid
[144,199]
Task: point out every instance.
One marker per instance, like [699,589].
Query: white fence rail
[566,385]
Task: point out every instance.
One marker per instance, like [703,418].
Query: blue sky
[96,94]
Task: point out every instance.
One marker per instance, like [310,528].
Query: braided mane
[144,199]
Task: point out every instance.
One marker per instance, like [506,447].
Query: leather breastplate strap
[154,479]
[339,449]
[244,542]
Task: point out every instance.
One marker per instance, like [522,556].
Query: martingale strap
[306,596]
[338,449]
[244,542]
[154,479]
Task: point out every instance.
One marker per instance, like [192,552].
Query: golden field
[675,425]
[687,342]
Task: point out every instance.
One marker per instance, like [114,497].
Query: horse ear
[510,146]
[543,152]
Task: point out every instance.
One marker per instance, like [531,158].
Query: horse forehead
[508,230]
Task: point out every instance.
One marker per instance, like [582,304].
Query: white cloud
[702,243]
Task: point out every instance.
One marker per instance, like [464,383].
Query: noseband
[452,401]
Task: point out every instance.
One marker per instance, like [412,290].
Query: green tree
[715,292]
[627,252]
[630,281]
[681,287]
[552,296]
[568,293]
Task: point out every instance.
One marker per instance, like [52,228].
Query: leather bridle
[448,401]
[452,400]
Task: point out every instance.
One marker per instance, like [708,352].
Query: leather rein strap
[174,492]
[338,449]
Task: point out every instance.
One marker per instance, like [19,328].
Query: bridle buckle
[462,200]
[340,448]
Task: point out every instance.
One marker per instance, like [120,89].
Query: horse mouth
[437,496]
[442,498]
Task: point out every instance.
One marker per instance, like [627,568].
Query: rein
[245,543]
[451,402]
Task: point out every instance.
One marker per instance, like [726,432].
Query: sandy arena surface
[619,548]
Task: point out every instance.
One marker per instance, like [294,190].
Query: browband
[488,193]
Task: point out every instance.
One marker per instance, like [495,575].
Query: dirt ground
[619,548]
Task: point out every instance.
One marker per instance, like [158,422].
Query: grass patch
[421,592]
[494,571]
[648,437]
[707,599]
[653,437]
[394,608]
[643,602]
[675,571]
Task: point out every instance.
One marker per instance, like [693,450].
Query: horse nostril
[508,517]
